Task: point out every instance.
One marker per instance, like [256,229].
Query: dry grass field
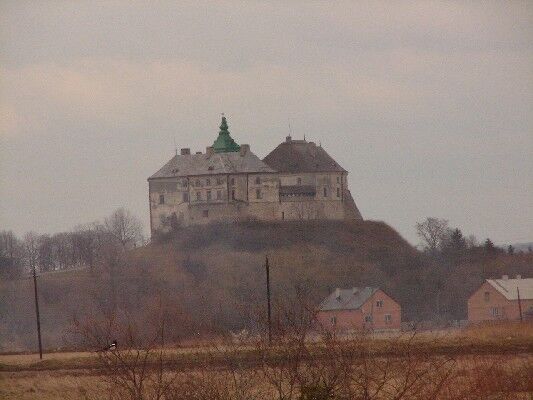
[487,362]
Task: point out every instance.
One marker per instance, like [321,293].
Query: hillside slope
[211,278]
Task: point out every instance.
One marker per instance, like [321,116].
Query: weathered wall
[202,199]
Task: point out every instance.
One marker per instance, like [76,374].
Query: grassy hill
[211,278]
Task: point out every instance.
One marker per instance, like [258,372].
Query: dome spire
[224,143]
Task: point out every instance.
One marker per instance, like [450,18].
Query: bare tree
[124,227]
[433,232]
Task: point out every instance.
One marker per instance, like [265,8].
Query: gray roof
[508,287]
[212,164]
[347,299]
[301,156]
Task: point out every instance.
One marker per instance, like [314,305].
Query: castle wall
[232,197]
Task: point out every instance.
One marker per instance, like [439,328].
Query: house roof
[508,288]
[347,299]
[212,164]
[301,156]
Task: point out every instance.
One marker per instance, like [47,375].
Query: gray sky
[427,105]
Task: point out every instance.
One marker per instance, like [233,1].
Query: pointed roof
[509,288]
[224,143]
[347,299]
[295,156]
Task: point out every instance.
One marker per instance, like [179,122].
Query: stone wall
[232,197]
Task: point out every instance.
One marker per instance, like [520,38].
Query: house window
[219,181]
[209,195]
[219,194]
[379,303]
[486,296]
[388,318]
[338,192]
[208,182]
[186,197]
[258,193]
[258,180]
[233,194]
[494,311]
[198,196]
[233,181]
[338,179]
[205,213]
[299,180]
[368,318]
[333,320]
[161,199]
[325,192]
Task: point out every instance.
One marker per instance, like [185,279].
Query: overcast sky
[427,105]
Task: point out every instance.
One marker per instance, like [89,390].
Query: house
[502,299]
[364,308]
[297,180]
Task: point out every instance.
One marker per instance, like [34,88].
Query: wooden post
[268,302]
[37,313]
[519,304]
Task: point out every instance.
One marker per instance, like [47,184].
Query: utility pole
[519,304]
[268,302]
[37,313]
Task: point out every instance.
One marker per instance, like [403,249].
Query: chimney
[288,139]
[338,294]
[518,276]
[245,148]
[505,277]
[209,151]
[185,151]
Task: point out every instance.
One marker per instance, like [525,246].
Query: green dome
[224,143]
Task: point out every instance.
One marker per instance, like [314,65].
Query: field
[494,362]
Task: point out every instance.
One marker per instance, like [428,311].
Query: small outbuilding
[364,308]
[502,299]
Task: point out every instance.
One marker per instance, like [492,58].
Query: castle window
[257,180]
[210,168]
[299,180]
[208,182]
[198,196]
[161,199]
[325,192]
[233,195]
[368,318]
[197,183]
[338,192]
[388,318]
[258,194]
[205,213]
[233,181]
[185,197]
[494,311]
[219,181]
[338,179]
[486,296]
[282,215]
[333,320]
[219,194]
[209,195]
[379,303]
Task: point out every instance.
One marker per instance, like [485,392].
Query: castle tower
[224,142]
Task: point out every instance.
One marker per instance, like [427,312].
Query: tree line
[81,247]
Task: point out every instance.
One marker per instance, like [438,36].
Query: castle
[297,180]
